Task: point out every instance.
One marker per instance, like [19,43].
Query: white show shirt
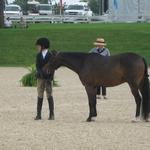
[44,52]
[8,23]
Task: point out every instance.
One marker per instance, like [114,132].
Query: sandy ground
[112,129]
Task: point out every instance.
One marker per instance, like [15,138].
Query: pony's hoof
[136,120]
[88,120]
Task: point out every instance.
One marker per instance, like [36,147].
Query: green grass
[17,46]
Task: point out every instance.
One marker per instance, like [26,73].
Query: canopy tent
[129,10]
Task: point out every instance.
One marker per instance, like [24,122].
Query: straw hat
[100,42]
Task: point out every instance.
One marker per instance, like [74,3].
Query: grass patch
[17,46]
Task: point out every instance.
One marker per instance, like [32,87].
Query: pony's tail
[145,91]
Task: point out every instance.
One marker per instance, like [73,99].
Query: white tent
[129,10]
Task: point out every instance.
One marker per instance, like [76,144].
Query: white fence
[61,19]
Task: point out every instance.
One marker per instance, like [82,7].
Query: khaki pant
[42,85]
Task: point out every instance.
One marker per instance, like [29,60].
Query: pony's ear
[54,52]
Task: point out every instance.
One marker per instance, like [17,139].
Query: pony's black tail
[145,91]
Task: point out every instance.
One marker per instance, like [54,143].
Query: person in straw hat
[101,50]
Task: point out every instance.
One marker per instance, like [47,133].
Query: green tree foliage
[22,4]
[2,2]
[94,6]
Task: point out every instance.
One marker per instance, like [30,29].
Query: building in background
[129,10]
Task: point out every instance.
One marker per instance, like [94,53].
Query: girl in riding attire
[44,80]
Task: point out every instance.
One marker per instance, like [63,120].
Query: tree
[22,4]
[106,4]
[2,4]
[98,6]
[94,6]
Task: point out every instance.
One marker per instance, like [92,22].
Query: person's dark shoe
[51,117]
[39,108]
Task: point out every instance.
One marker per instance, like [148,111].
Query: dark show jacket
[40,63]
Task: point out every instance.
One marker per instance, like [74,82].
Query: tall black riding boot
[39,108]
[51,108]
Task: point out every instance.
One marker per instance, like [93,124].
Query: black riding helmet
[43,42]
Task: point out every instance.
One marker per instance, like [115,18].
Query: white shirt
[44,52]
[8,23]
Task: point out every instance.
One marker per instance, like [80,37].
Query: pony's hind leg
[138,101]
[145,96]
[91,92]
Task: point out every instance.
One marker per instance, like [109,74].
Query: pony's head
[53,63]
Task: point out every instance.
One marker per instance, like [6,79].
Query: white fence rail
[61,19]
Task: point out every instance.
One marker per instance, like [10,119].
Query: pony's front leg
[91,92]
[138,99]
